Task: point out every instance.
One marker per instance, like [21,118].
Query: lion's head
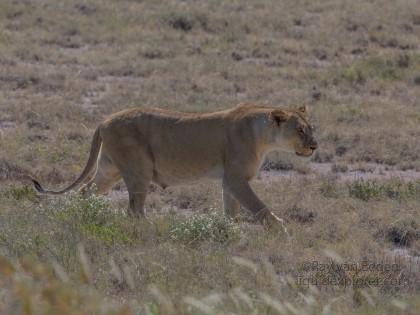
[293,132]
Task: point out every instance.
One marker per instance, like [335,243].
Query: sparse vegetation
[65,65]
[90,216]
[329,189]
[381,68]
[20,193]
[403,232]
[301,215]
[339,168]
[366,190]
[181,263]
[208,227]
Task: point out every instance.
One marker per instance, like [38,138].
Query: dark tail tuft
[37,186]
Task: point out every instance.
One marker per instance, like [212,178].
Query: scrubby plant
[329,189]
[180,21]
[91,215]
[412,189]
[403,232]
[369,189]
[20,193]
[301,215]
[365,190]
[382,67]
[212,226]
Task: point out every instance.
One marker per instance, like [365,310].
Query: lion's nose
[314,145]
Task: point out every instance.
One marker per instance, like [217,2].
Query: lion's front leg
[136,203]
[240,189]
[231,205]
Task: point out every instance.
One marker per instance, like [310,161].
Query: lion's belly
[185,152]
[180,173]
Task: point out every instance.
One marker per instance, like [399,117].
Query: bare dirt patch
[371,171]
[6,126]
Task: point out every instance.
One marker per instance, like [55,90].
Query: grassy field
[354,246]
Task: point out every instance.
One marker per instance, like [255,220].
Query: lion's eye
[300,130]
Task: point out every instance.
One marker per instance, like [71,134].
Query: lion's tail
[90,165]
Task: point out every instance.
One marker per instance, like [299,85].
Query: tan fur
[169,148]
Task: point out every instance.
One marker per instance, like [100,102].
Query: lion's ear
[278,116]
[304,109]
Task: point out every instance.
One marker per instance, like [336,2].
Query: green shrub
[398,190]
[91,215]
[365,190]
[20,193]
[211,226]
[382,67]
[412,189]
[354,74]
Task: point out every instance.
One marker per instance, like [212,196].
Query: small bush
[20,193]
[365,190]
[328,189]
[92,216]
[187,21]
[277,165]
[301,215]
[400,190]
[413,189]
[386,68]
[212,227]
[403,233]
[354,75]
[181,21]
[397,190]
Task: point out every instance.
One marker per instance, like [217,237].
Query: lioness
[169,148]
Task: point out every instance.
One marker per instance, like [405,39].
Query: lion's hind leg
[105,177]
[137,181]
[136,170]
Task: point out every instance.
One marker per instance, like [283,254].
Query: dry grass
[66,64]
[220,265]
